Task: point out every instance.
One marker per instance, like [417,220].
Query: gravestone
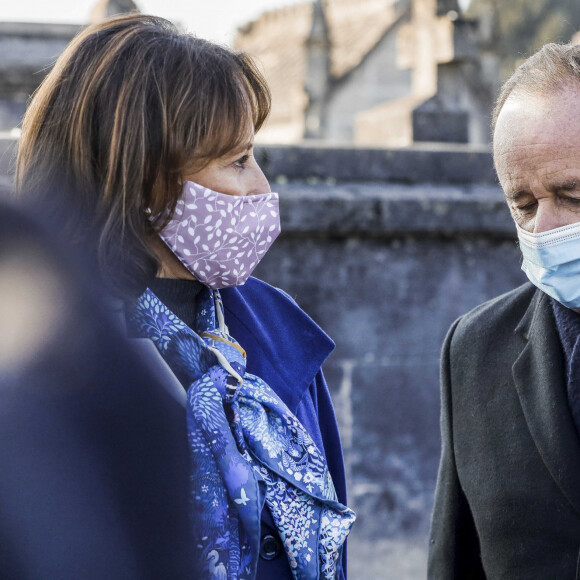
[106,8]
[435,46]
[424,43]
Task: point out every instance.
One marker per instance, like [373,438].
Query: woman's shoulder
[265,304]
[259,288]
[285,346]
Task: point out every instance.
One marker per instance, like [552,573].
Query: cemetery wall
[384,249]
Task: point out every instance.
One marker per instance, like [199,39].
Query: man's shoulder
[515,302]
[497,316]
[483,344]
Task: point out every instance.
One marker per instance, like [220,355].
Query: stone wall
[27,51]
[384,249]
[7,161]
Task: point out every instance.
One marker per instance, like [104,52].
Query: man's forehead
[522,109]
[564,99]
[528,119]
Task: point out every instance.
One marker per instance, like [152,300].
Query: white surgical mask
[552,262]
[221,238]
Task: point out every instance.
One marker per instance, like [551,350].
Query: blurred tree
[520,27]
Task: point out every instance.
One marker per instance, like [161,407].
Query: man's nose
[549,217]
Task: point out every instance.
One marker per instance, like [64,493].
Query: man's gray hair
[548,71]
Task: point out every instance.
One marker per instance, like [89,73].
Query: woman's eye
[241,162]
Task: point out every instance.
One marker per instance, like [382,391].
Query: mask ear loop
[234,380]
[219,311]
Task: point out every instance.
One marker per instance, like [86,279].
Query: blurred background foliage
[520,27]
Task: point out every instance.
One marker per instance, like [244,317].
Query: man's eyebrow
[515,195]
[568,185]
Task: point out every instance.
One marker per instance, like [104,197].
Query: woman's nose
[259,183]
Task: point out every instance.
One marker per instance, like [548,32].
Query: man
[508,493]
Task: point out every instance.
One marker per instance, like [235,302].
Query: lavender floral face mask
[221,238]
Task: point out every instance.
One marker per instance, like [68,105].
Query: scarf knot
[247,450]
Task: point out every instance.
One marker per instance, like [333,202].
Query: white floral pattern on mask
[221,238]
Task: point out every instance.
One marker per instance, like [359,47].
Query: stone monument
[375,72]
[446,102]
[105,8]
[316,56]
[317,73]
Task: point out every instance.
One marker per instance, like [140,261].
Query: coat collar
[539,377]
[285,347]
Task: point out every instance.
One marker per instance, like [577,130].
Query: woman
[146,135]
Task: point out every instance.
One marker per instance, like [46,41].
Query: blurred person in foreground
[93,482]
[146,134]
[508,494]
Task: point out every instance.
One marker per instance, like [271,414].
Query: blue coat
[286,349]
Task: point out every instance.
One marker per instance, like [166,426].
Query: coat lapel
[541,385]
[285,347]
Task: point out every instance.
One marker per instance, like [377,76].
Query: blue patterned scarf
[247,449]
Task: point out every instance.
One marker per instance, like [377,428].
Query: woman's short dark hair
[130,107]
[552,68]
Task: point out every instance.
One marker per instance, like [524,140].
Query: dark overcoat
[507,503]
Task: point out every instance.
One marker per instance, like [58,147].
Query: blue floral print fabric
[247,449]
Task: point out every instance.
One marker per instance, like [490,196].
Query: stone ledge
[39,30]
[333,208]
[373,210]
[454,165]
[429,163]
